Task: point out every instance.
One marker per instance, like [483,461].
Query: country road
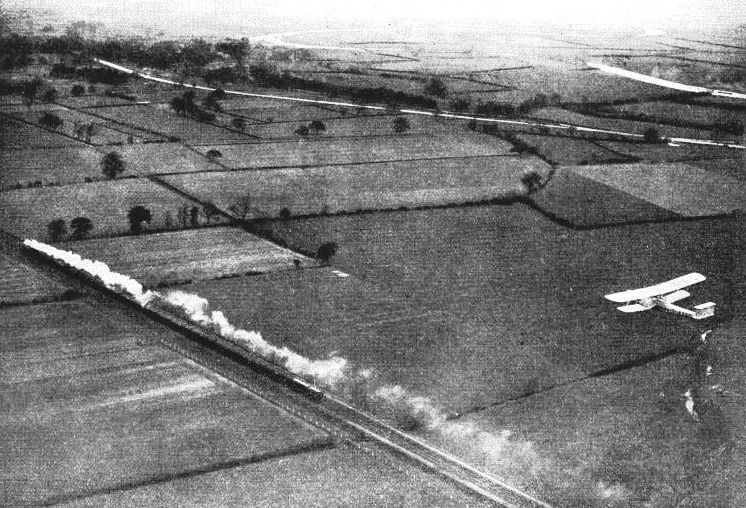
[439,114]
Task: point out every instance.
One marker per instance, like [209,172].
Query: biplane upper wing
[658,289]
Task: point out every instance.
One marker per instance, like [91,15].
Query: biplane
[664,295]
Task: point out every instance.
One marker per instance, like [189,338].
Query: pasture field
[683,189]
[15,134]
[104,132]
[675,111]
[372,186]
[21,284]
[196,254]
[377,125]
[259,111]
[658,455]
[473,306]
[570,151]
[332,477]
[129,423]
[155,158]
[49,166]
[26,212]
[160,119]
[319,150]
[560,115]
[583,202]
[93,101]
[651,152]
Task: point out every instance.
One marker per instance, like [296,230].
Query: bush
[213,154]
[326,251]
[81,226]
[137,215]
[436,87]
[239,123]
[401,124]
[77,90]
[651,135]
[112,165]
[50,120]
[57,229]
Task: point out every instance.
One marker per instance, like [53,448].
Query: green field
[320,150]
[206,253]
[569,151]
[26,212]
[363,187]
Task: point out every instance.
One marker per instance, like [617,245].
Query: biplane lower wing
[635,307]
[656,290]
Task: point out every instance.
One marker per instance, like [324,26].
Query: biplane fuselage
[664,295]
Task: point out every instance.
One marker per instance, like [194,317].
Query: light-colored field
[49,166]
[179,256]
[363,126]
[154,158]
[26,212]
[160,119]
[319,150]
[681,188]
[104,132]
[15,134]
[90,410]
[363,187]
[19,283]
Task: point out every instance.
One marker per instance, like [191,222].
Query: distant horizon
[241,18]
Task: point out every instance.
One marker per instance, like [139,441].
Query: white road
[439,114]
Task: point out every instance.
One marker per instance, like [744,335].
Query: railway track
[281,387]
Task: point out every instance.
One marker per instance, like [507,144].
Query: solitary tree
[112,165]
[137,215]
[50,120]
[57,229]
[77,90]
[302,131]
[241,208]
[401,124]
[239,123]
[316,127]
[326,251]
[213,154]
[651,135]
[532,181]
[81,226]
[50,95]
[436,87]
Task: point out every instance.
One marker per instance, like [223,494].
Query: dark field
[473,306]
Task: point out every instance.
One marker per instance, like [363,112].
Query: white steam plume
[328,372]
[99,270]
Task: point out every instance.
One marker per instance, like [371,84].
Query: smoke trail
[110,279]
[327,372]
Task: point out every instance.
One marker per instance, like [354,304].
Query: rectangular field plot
[159,119]
[179,256]
[102,132]
[674,111]
[560,115]
[27,212]
[21,284]
[49,166]
[363,187]
[568,150]
[107,424]
[154,158]
[260,110]
[15,134]
[320,150]
[377,125]
[680,188]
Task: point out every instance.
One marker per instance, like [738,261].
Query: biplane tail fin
[704,310]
